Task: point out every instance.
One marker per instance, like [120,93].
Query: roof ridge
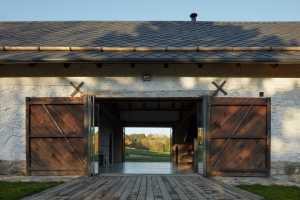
[146,21]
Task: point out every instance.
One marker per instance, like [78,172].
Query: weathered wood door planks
[238,136]
[56,139]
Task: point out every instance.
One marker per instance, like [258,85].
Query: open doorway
[130,134]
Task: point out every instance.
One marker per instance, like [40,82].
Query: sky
[208,10]
[147,131]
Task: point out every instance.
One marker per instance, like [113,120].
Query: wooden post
[268,156]
[206,114]
[27,136]
[87,127]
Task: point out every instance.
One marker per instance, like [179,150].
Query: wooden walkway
[139,187]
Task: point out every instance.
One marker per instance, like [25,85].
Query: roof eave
[145,60]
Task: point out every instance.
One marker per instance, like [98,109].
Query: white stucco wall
[285,94]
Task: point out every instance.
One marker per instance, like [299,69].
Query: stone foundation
[12,167]
[282,173]
[289,171]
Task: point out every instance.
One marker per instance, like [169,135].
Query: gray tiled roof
[150,34]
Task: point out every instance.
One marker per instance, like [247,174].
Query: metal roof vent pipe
[193,17]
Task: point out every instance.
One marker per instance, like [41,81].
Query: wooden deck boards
[140,187]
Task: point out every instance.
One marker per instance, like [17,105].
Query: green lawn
[274,192]
[17,190]
[140,155]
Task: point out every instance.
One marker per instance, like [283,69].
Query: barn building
[231,86]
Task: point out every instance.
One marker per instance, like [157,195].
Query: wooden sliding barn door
[56,136]
[237,136]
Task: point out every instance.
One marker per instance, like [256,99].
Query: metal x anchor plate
[219,88]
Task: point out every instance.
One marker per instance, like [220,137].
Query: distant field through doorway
[147,144]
